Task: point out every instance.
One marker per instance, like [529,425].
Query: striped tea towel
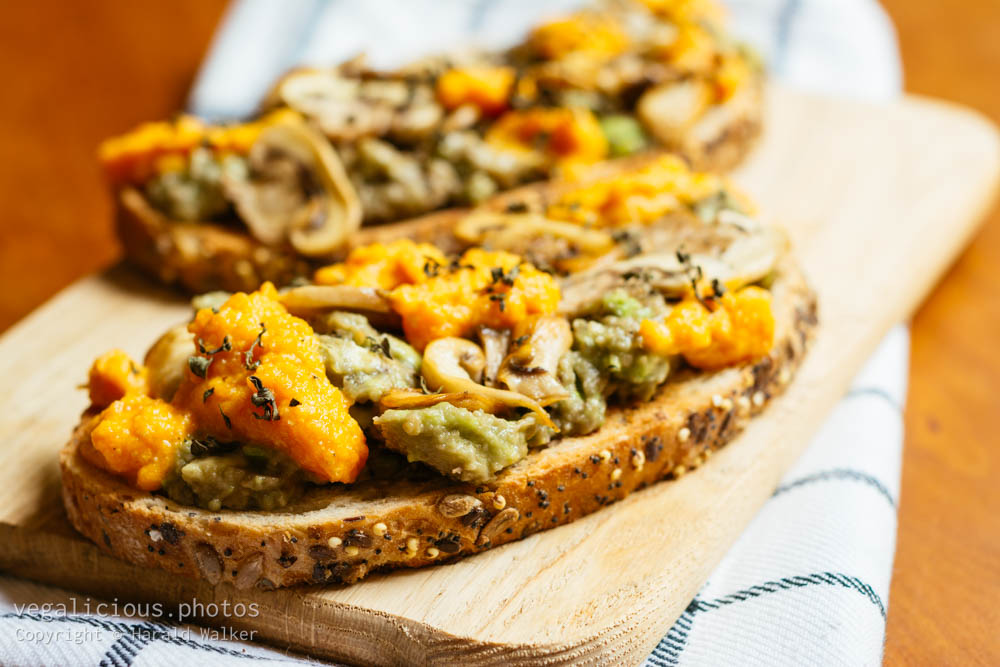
[808,581]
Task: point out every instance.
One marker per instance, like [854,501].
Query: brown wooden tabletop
[76,73]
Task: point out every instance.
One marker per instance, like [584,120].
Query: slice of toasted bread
[201,257]
[341,533]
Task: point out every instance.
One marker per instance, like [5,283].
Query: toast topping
[715,331]
[137,437]
[257,377]
[596,35]
[496,356]
[641,196]
[564,136]
[436,298]
[160,147]
[271,401]
[455,366]
[468,445]
[260,360]
[491,289]
[610,80]
[295,189]
[113,375]
[485,88]
[283,179]
[386,266]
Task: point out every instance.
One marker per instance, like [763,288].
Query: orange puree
[113,375]
[739,329]
[383,265]
[153,148]
[260,380]
[567,136]
[137,438]
[596,35]
[436,299]
[483,289]
[248,391]
[687,11]
[486,88]
[730,76]
[642,195]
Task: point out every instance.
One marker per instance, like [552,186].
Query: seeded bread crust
[339,534]
[201,257]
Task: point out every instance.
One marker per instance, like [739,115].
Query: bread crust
[340,534]
[201,257]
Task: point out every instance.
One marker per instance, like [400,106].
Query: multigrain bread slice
[201,257]
[340,534]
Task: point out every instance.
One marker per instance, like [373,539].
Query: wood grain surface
[943,603]
[873,209]
[78,72]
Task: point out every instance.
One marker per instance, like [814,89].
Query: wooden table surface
[78,72]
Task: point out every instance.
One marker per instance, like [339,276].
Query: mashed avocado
[624,134]
[609,340]
[235,477]
[363,363]
[196,193]
[468,445]
[583,412]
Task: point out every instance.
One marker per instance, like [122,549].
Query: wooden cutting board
[878,198]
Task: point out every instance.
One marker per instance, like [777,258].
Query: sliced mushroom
[503,230]
[333,101]
[741,254]
[297,189]
[753,256]
[420,116]
[167,361]
[718,119]
[309,300]
[507,166]
[408,399]
[668,110]
[531,368]
[399,184]
[565,246]
[455,366]
[495,343]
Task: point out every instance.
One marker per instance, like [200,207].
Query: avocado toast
[230,206]
[548,354]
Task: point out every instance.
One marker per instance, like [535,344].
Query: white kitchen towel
[808,581]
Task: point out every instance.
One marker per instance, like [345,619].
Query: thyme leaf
[263,398]
[248,360]
[225,418]
[379,346]
[225,347]
[431,267]
[199,365]
[718,288]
